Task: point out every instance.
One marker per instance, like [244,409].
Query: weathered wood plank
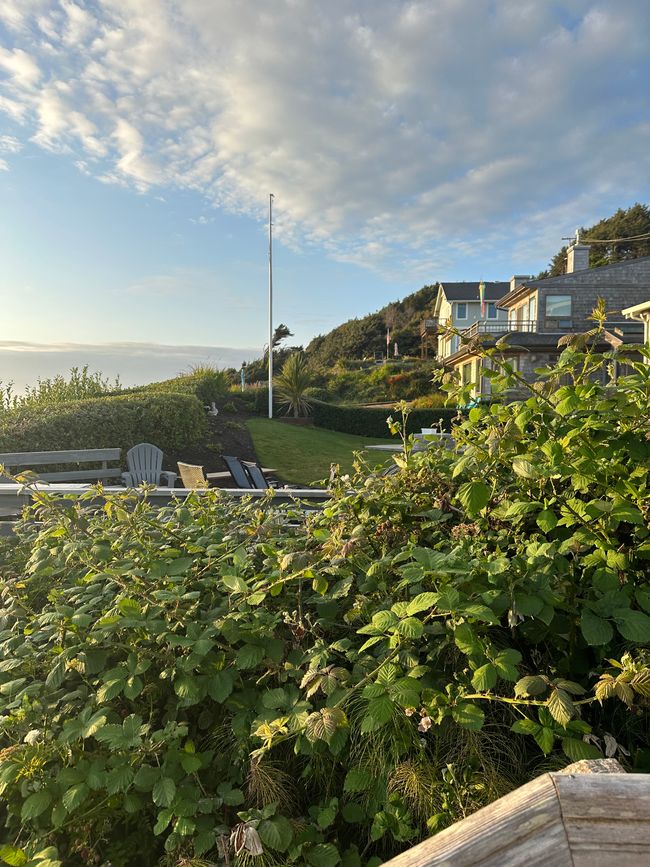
[524,827]
[28,459]
[72,475]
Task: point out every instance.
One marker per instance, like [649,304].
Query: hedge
[170,421]
[207,385]
[371,421]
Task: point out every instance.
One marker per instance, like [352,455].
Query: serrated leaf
[474,496]
[323,855]
[220,685]
[594,629]
[163,820]
[531,685]
[75,796]
[577,749]
[13,856]
[545,738]
[484,678]
[186,688]
[469,716]
[480,612]
[357,780]
[35,804]
[57,674]
[561,707]
[525,727]
[547,520]
[164,791]
[525,468]
[466,640]
[641,683]
[276,833]
[249,656]
[633,625]
[422,602]
[411,627]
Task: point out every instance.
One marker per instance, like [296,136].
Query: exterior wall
[447,346]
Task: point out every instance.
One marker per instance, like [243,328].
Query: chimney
[577,257]
[517,280]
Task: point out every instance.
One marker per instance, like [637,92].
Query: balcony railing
[484,327]
[428,326]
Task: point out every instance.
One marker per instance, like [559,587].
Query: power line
[644,237]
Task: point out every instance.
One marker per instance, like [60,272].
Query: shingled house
[538,312]
[458,305]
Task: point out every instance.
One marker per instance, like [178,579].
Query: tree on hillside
[292,383]
[623,224]
[281,333]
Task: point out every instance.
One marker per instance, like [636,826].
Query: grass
[302,455]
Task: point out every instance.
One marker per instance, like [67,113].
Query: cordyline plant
[224,683]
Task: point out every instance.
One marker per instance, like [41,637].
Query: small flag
[387,337]
[481,295]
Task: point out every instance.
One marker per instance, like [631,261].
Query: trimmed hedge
[170,421]
[371,421]
[206,385]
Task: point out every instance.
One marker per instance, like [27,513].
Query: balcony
[428,326]
[485,327]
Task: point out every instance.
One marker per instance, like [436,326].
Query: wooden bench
[16,461]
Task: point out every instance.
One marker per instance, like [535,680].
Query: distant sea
[135,363]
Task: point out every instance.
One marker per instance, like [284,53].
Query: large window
[558,306]
[491,310]
[461,311]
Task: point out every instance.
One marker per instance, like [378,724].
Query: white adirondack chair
[145,465]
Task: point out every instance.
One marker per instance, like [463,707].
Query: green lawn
[302,455]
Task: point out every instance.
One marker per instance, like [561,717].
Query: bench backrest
[11,460]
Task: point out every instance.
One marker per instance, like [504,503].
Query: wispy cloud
[389,132]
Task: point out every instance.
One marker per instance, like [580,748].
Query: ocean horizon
[22,363]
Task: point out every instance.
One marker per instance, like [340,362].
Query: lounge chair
[192,476]
[257,477]
[238,472]
[145,465]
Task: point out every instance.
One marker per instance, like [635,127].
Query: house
[458,305]
[538,312]
[640,313]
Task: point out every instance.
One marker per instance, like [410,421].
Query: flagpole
[270,305]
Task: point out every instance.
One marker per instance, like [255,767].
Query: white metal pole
[270,305]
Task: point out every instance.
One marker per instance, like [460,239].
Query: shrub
[208,384]
[330,687]
[170,421]
[80,385]
[371,422]
[292,383]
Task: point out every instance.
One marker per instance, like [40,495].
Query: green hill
[358,338]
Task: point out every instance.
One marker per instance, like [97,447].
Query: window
[466,373]
[558,306]
[461,311]
[491,310]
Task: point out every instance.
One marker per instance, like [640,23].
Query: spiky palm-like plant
[292,383]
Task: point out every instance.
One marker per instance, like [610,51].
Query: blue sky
[405,142]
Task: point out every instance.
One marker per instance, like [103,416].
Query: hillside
[358,338]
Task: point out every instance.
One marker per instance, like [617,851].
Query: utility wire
[645,236]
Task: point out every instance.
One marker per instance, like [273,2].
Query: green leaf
[577,749]
[547,520]
[276,833]
[560,706]
[35,804]
[220,685]
[474,496]
[466,640]
[75,796]
[525,727]
[177,567]
[129,607]
[545,738]
[164,792]
[249,656]
[643,598]
[190,763]
[357,780]
[525,468]
[469,716]
[411,627]
[480,612]
[594,629]
[484,678]
[531,685]
[633,625]
[186,688]
[57,674]
[422,602]
[13,856]
[164,818]
[323,855]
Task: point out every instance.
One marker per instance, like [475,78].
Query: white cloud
[392,133]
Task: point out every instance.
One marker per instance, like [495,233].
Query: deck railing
[484,327]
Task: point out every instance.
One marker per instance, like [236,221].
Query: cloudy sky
[405,142]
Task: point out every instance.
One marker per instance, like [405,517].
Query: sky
[404,142]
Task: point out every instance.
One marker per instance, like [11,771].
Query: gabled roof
[468,290]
